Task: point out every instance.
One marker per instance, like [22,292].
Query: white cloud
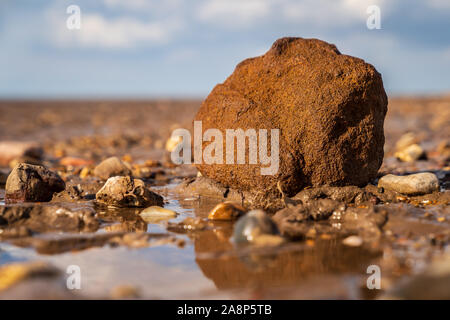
[98,31]
[233,13]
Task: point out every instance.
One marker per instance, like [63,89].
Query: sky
[183,48]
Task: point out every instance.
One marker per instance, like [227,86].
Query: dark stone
[30,183]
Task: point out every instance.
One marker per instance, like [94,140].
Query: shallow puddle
[209,265]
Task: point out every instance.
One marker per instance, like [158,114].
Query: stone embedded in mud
[330,217]
[329,107]
[413,184]
[316,210]
[10,150]
[30,183]
[127,192]
[226,211]
[253,225]
[111,167]
[291,220]
[347,194]
[202,186]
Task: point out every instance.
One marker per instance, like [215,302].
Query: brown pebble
[226,211]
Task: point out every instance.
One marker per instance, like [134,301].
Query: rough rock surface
[127,192]
[326,216]
[30,183]
[329,107]
[111,167]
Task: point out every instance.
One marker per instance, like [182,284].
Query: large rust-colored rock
[329,107]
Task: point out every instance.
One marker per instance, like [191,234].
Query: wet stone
[293,221]
[155,214]
[127,192]
[252,225]
[206,187]
[30,183]
[347,194]
[329,217]
[413,184]
[79,190]
[226,211]
[112,167]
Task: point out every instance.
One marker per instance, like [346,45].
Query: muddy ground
[120,255]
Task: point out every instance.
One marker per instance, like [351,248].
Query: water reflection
[231,268]
[292,264]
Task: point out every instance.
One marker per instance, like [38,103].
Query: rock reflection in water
[123,219]
[231,267]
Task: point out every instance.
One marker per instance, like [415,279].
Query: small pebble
[252,225]
[405,141]
[173,142]
[413,184]
[411,153]
[226,211]
[112,167]
[85,172]
[155,214]
[353,241]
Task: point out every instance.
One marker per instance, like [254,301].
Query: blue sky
[177,48]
